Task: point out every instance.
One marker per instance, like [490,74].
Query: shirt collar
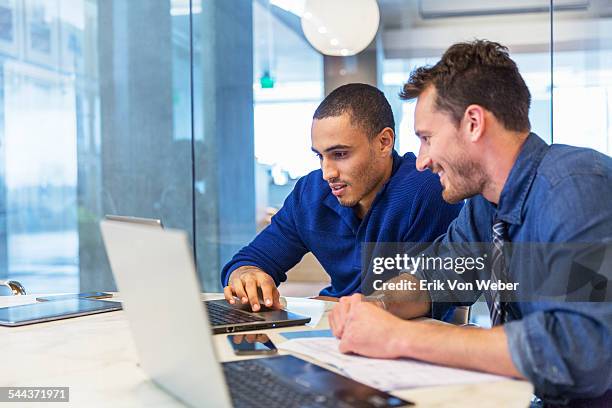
[397,161]
[515,191]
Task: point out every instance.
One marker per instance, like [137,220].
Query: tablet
[59,309]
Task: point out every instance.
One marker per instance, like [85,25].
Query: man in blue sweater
[364,192]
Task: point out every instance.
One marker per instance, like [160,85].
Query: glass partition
[582,77]
[93,122]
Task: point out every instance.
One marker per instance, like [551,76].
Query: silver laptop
[223,317]
[174,343]
[153,222]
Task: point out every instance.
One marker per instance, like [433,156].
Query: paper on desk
[315,309]
[387,375]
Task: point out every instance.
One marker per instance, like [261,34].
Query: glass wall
[288,86]
[95,120]
[582,82]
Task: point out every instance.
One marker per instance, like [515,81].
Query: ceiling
[424,28]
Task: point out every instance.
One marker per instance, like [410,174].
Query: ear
[474,122]
[386,140]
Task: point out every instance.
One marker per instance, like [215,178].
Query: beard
[369,177]
[347,202]
[469,180]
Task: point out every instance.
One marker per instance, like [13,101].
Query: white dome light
[340,27]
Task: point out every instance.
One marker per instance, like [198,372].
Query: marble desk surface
[96,357]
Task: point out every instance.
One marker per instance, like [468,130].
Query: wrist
[241,270]
[378,300]
[401,339]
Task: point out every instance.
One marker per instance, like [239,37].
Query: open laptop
[223,317]
[175,346]
[153,222]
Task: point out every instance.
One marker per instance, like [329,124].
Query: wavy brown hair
[479,72]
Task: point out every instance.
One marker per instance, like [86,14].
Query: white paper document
[387,375]
[306,307]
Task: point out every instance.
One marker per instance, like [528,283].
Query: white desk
[96,358]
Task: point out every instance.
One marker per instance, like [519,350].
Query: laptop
[153,222]
[175,346]
[223,317]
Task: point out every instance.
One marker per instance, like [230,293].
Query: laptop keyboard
[252,384]
[220,315]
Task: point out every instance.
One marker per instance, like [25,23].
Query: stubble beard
[470,181]
[370,180]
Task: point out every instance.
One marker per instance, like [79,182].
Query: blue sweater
[409,208]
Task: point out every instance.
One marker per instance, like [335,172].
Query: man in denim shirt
[472,120]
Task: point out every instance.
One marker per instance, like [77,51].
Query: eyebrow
[334,147]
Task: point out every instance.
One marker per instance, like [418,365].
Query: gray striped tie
[498,272]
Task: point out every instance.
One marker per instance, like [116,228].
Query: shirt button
[555,371]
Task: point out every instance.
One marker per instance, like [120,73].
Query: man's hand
[246,282]
[370,331]
[373,332]
[339,314]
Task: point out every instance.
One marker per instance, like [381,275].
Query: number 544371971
[34,394]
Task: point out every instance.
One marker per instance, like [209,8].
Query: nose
[423,161]
[330,171]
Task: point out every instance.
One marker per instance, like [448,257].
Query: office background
[198,112]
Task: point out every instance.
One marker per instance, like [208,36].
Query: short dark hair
[366,104]
[479,72]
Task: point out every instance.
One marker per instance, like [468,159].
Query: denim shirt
[553,194]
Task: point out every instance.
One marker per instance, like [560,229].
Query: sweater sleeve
[278,247]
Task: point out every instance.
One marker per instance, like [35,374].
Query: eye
[340,155]
[319,156]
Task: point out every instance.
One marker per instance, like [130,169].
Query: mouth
[338,189]
[440,174]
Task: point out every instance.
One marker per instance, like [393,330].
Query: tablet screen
[53,310]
